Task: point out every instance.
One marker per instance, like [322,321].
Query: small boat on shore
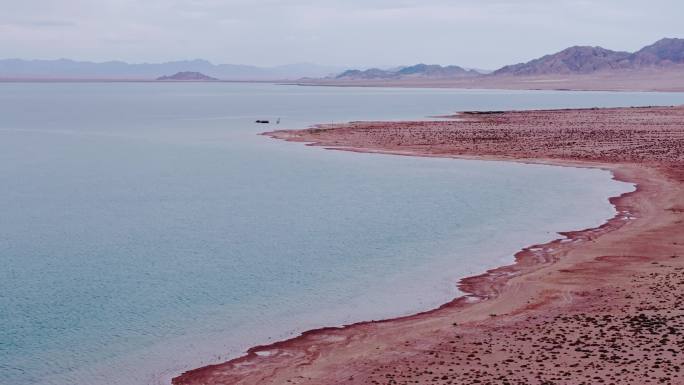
[263,121]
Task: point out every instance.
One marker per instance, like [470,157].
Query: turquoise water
[146,229]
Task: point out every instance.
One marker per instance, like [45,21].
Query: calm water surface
[146,229]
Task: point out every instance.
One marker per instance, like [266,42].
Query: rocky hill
[585,60]
[664,52]
[429,71]
[187,76]
[573,60]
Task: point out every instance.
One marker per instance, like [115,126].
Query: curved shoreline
[481,287]
[501,295]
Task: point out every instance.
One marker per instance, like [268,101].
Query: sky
[484,34]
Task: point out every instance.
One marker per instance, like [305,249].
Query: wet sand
[599,306]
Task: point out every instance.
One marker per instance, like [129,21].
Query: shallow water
[146,228]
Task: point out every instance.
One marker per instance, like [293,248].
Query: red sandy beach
[599,306]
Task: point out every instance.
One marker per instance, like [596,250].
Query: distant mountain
[373,73]
[664,52]
[584,60]
[187,76]
[573,60]
[432,71]
[115,70]
[436,71]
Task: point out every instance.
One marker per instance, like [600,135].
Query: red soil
[602,306]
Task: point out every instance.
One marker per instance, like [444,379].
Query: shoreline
[676,89]
[666,80]
[508,84]
[502,295]
[475,288]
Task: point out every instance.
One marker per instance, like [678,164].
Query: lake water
[146,229]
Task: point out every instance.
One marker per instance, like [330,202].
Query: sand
[599,306]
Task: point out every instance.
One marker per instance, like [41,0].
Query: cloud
[467,32]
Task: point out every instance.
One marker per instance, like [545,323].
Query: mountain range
[118,70]
[416,71]
[585,60]
[666,53]
[574,60]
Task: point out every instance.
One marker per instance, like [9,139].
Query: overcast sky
[471,33]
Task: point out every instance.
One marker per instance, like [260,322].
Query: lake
[146,229]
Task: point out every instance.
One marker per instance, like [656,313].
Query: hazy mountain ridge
[72,69]
[580,60]
[584,60]
[414,71]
